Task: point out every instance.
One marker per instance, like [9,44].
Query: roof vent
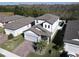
[75,39]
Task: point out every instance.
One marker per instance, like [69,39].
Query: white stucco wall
[55,25]
[31,36]
[47,24]
[55,28]
[52,27]
[18,31]
[8,31]
[71,48]
[1,25]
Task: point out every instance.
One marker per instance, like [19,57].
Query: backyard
[11,44]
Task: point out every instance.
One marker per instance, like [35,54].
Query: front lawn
[1,30]
[32,54]
[12,43]
[1,55]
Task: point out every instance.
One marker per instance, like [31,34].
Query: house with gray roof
[71,38]
[37,33]
[45,26]
[19,26]
[8,19]
[49,25]
[48,21]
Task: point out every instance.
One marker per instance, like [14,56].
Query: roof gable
[48,18]
[42,31]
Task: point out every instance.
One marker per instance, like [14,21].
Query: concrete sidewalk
[7,53]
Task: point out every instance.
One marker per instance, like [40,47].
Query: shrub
[22,34]
[35,46]
[64,54]
[55,47]
[10,36]
[50,51]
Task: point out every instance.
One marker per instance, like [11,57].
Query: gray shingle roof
[4,19]
[19,23]
[71,32]
[42,31]
[48,17]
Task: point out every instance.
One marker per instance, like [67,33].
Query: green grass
[12,43]
[55,53]
[32,54]
[1,55]
[1,30]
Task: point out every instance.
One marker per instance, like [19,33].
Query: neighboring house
[49,24]
[8,19]
[19,26]
[37,33]
[71,38]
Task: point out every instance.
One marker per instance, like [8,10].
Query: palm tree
[41,45]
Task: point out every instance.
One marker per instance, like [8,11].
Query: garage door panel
[31,38]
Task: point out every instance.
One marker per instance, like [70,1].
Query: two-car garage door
[31,36]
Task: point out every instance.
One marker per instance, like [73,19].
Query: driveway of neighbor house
[7,53]
[3,38]
[24,49]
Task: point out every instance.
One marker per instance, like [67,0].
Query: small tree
[40,45]
[35,46]
[50,51]
[64,54]
[10,36]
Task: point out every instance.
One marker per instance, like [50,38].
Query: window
[45,26]
[48,26]
[61,23]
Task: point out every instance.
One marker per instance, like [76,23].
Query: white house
[48,22]
[71,38]
[46,26]
[37,33]
[19,26]
[8,19]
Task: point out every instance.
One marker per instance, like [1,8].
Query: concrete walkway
[7,53]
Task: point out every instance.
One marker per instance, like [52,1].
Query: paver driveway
[3,38]
[24,49]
